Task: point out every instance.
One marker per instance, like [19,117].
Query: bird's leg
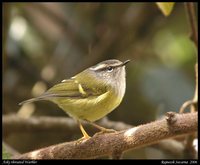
[103,130]
[85,135]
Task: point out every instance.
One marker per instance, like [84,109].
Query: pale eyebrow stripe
[98,67]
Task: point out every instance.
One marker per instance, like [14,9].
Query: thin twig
[186,104]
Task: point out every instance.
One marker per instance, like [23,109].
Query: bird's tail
[45,96]
[31,100]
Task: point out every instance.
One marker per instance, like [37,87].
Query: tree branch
[14,123]
[190,10]
[172,147]
[61,21]
[192,19]
[107,144]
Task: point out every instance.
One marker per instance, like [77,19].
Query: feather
[70,88]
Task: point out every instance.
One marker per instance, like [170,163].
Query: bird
[91,94]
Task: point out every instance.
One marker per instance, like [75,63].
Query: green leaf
[165,7]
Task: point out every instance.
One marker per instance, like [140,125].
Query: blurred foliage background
[44,43]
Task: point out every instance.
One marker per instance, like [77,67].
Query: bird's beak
[125,62]
[122,64]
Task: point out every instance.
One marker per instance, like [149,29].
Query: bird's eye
[109,69]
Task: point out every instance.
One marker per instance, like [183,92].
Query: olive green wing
[67,88]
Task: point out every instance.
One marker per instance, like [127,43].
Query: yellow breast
[92,108]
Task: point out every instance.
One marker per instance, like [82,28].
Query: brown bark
[110,143]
